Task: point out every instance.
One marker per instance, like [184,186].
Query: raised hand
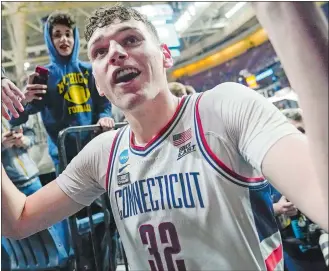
[11,99]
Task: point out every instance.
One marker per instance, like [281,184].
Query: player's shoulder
[220,95]
[228,94]
[101,142]
[228,90]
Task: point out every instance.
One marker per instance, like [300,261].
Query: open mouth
[63,47]
[125,75]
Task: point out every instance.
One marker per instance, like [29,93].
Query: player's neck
[149,120]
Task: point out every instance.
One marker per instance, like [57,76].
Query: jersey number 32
[166,230]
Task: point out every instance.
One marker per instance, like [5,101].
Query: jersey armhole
[114,149]
[211,158]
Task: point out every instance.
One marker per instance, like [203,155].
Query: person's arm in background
[284,207]
[104,113]
[28,138]
[103,107]
[11,97]
[7,141]
[32,102]
[298,32]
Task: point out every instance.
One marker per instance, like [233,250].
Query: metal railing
[103,251]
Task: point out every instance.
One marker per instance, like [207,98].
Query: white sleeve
[84,178]
[252,123]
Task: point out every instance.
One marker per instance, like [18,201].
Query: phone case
[42,78]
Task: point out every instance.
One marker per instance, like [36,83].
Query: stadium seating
[45,250]
[254,60]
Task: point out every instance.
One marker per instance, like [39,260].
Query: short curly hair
[60,17]
[105,16]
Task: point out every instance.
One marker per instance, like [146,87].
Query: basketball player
[185,178]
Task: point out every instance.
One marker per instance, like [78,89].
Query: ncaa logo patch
[123,158]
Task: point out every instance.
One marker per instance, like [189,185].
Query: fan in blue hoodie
[71,97]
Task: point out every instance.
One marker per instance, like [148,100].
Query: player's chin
[132,101]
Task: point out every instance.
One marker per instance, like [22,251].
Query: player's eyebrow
[120,30]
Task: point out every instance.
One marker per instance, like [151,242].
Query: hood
[54,55]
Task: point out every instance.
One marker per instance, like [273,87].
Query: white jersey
[193,198]
[178,206]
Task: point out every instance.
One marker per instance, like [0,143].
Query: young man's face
[63,40]
[129,64]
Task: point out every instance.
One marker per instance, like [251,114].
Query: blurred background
[212,42]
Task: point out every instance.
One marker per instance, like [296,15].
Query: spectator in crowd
[177,89]
[300,254]
[189,90]
[15,142]
[39,151]
[11,97]
[71,97]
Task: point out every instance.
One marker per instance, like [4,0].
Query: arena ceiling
[205,25]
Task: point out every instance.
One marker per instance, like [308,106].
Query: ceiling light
[191,9]
[159,22]
[233,10]
[26,65]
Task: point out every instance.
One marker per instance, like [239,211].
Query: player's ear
[167,59]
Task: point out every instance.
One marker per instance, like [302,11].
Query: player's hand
[11,99]
[106,123]
[8,140]
[285,207]
[31,90]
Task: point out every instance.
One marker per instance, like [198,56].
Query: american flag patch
[182,137]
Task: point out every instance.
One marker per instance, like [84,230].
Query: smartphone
[42,78]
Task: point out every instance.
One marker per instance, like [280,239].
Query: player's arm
[273,146]
[299,34]
[76,187]
[288,165]
[22,216]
